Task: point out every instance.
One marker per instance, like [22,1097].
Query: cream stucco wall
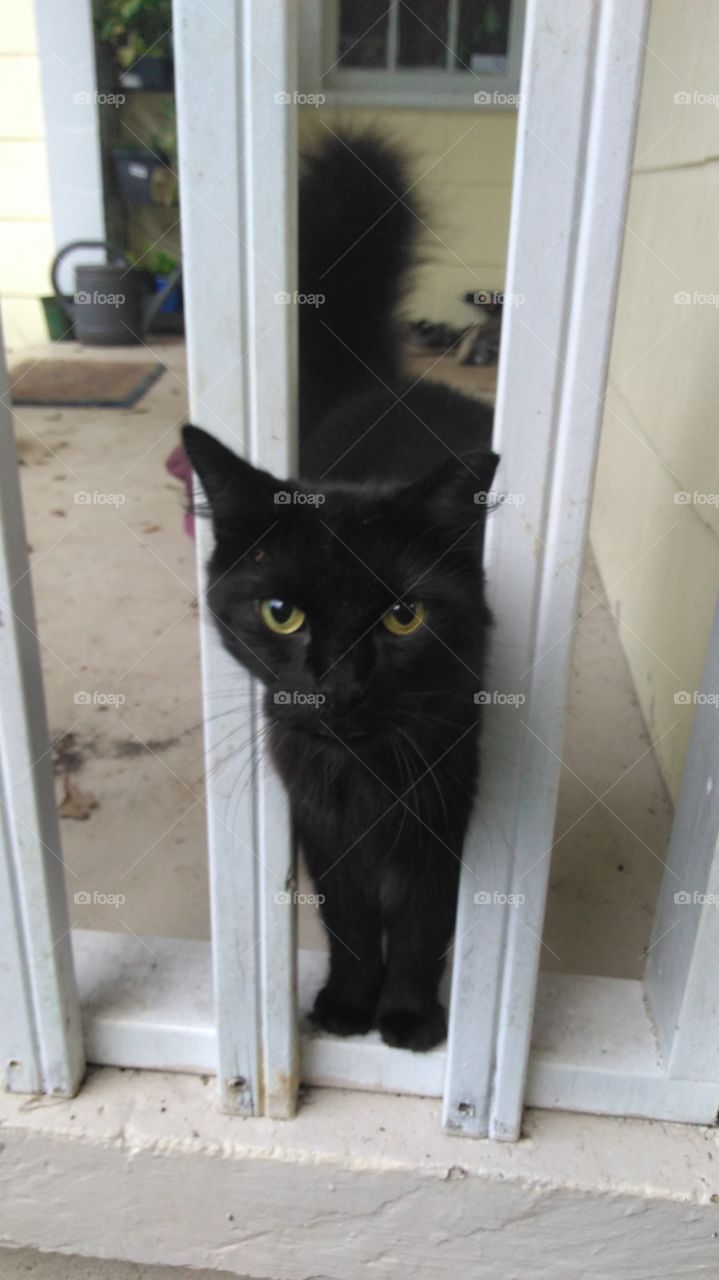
[463,160]
[26,242]
[659,558]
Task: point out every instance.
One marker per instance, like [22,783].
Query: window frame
[320,75]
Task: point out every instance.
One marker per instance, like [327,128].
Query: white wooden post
[66,44]
[580,88]
[234,75]
[681,973]
[40,1036]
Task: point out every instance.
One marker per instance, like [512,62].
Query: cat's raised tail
[357,236]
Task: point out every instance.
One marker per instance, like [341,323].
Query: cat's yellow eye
[404,619]
[281,617]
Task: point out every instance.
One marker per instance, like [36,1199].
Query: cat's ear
[238,494]
[458,494]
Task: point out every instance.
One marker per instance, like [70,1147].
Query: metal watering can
[113,304]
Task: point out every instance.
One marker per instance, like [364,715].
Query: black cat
[356,593]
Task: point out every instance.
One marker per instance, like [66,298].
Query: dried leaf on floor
[76,803]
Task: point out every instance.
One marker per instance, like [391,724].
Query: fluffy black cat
[358,597]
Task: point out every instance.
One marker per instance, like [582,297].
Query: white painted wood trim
[681,971]
[580,89]
[237,186]
[66,45]
[594,1050]
[148,1003]
[40,1038]
[269,75]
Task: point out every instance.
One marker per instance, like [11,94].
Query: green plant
[157,262]
[136,28]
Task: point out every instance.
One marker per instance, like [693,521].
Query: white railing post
[681,972]
[580,88]
[234,69]
[40,1034]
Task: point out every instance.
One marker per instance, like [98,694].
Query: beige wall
[659,559]
[464,162]
[26,243]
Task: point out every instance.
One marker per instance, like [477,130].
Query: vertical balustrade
[236,128]
[580,89]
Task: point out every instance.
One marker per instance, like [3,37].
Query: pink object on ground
[178,465]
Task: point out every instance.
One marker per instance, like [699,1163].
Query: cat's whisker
[429,769]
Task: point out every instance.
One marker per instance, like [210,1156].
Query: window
[412,52]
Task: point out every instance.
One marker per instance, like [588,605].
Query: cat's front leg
[347,1003]
[419,927]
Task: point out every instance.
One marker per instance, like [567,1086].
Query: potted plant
[139,35]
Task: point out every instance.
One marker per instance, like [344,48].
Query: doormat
[82,384]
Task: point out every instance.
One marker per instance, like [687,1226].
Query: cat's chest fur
[379,803]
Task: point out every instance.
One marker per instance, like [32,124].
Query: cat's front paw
[417,1029]
[341,1018]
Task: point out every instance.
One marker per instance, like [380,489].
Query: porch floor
[116,601]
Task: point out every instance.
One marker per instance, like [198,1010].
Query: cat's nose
[344,701]
[344,692]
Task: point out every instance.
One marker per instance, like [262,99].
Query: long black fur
[357,232]
[378,742]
